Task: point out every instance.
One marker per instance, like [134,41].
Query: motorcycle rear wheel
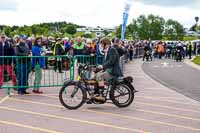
[122,90]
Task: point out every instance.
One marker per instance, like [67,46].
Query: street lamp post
[197,20]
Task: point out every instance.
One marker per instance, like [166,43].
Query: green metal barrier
[20,69]
[92,60]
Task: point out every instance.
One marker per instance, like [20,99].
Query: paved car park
[156,109]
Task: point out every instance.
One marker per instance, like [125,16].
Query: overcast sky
[106,13]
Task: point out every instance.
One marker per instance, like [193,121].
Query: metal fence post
[8,91]
[71,68]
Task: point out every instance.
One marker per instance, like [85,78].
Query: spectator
[30,42]
[90,49]
[99,49]
[99,52]
[67,44]
[86,50]
[184,50]
[6,63]
[130,49]
[16,40]
[71,50]
[126,54]
[38,64]
[119,47]
[79,47]
[93,48]
[59,50]
[23,65]
[190,49]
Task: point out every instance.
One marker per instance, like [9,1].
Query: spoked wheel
[122,95]
[71,96]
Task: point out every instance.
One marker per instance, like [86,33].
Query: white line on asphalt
[29,127]
[172,101]
[4,99]
[168,107]
[127,117]
[74,120]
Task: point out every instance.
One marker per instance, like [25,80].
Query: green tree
[1,28]
[143,27]
[71,29]
[174,30]
[7,30]
[156,27]
[106,32]
[133,29]
[118,31]
[40,30]
[14,28]
[87,35]
[198,27]
[150,27]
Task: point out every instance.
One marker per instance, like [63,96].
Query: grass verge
[196,60]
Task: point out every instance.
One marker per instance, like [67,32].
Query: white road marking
[4,99]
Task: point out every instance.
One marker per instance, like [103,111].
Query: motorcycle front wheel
[72,96]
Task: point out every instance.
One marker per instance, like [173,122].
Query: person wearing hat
[23,65]
[6,49]
[58,50]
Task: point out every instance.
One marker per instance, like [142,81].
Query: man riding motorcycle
[111,63]
[168,50]
[147,52]
[179,51]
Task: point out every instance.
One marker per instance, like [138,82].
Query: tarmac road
[156,109]
[175,75]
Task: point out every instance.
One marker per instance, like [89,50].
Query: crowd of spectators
[33,54]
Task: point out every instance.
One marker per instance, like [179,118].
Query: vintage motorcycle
[178,55]
[86,89]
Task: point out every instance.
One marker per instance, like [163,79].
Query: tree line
[46,29]
[144,27]
[154,28]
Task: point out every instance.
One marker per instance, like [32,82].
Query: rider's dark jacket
[147,48]
[180,48]
[112,62]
